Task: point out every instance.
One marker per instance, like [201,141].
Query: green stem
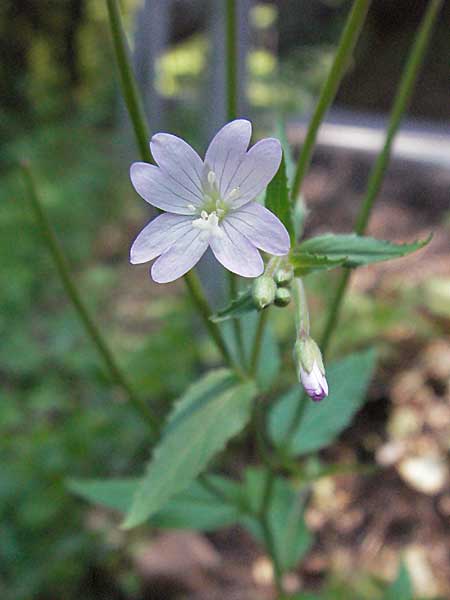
[405,89]
[72,292]
[269,271]
[129,86]
[341,60]
[237,329]
[301,308]
[257,343]
[195,290]
[135,110]
[231,107]
[231,58]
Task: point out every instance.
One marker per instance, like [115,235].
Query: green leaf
[199,508]
[292,538]
[195,508]
[401,588]
[239,306]
[354,250]
[323,421]
[277,199]
[305,263]
[205,418]
[116,494]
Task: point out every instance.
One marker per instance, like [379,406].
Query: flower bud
[264,290]
[310,369]
[284,276]
[282,297]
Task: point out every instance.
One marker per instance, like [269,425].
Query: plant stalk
[231,108]
[341,61]
[193,285]
[257,343]
[231,59]
[405,89]
[128,81]
[73,294]
[134,106]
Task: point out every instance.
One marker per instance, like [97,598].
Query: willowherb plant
[239,202]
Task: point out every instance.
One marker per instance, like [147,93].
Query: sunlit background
[60,108]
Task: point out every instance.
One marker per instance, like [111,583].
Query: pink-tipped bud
[315,383]
[310,369]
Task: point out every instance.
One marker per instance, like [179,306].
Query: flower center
[213,200]
[214,207]
[208,224]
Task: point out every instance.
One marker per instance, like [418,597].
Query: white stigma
[209,224]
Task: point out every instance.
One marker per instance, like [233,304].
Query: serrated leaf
[277,199]
[195,508]
[239,306]
[401,588]
[305,263]
[205,418]
[354,250]
[291,537]
[323,421]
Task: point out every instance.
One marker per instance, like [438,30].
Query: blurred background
[59,417]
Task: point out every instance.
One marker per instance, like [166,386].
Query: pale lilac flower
[310,368]
[314,382]
[208,203]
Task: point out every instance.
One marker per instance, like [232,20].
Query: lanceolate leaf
[323,421]
[113,493]
[241,305]
[352,249]
[277,199]
[205,418]
[305,263]
[194,508]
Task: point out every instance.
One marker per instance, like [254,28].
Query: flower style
[208,203]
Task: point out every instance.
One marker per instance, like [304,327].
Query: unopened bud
[284,276]
[264,290]
[282,297]
[310,369]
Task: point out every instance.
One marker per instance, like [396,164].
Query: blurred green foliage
[59,415]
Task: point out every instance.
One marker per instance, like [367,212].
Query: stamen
[191,207]
[211,178]
[231,195]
